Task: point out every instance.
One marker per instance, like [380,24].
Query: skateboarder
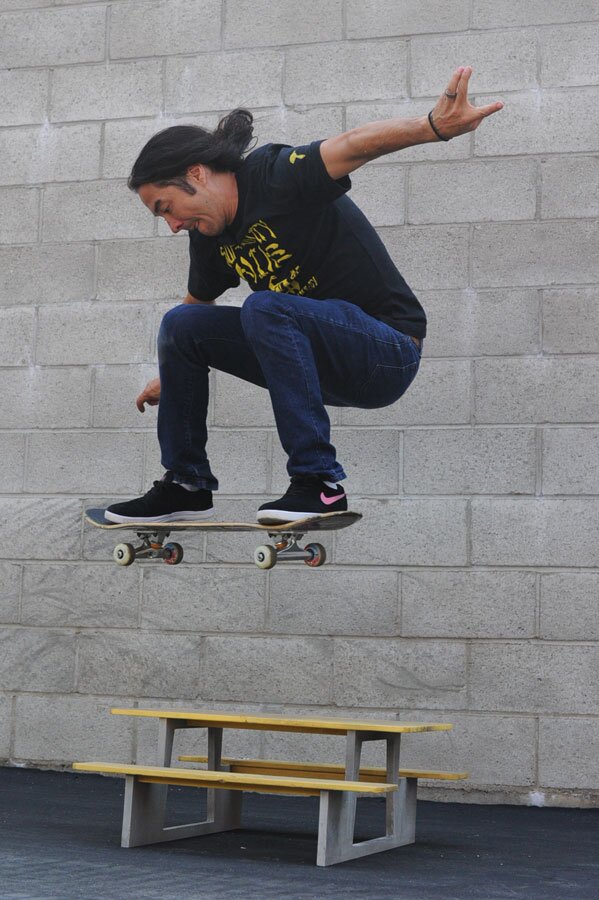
[329,320]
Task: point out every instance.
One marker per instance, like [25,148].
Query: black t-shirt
[296,232]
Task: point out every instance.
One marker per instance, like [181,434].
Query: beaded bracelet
[433,126]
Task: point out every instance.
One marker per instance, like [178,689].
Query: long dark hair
[168,155]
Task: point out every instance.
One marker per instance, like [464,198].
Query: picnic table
[338,786]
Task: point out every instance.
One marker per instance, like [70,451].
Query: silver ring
[451,96]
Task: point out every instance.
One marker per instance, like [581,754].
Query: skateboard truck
[286,548]
[152,547]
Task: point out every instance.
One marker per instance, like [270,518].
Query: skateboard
[285,537]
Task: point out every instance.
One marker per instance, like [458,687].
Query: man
[330,320]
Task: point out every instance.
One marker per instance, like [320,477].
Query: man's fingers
[462,88]
[489,109]
[454,81]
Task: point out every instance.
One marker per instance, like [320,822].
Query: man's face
[204,210]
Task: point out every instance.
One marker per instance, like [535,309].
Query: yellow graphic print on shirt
[295,155]
[261,261]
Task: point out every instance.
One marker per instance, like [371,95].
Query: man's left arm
[452,115]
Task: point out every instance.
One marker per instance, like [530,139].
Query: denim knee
[258,302]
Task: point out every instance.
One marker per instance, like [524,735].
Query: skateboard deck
[285,534]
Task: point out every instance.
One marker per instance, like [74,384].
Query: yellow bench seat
[333,771]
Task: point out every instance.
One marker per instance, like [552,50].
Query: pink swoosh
[328,500]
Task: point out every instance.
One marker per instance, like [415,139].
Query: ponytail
[168,155]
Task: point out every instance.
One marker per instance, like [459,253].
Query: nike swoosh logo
[329,500]
[295,156]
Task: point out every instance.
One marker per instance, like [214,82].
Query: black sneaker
[307,495]
[165,502]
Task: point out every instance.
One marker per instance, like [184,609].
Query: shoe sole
[274,516]
[197,515]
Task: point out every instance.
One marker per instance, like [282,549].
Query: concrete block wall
[469,591]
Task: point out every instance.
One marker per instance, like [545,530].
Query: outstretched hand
[149,395]
[455,115]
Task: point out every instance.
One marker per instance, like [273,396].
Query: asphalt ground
[60,838]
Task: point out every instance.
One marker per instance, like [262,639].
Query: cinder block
[371,460]
[260,23]
[468,604]
[358,602]
[399,672]
[56,273]
[163,28]
[6,702]
[138,663]
[382,18]
[361,113]
[410,250]
[230,599]
[50,153]
[284,125]
[473,323]
[417,533]
[266,670]
[439,395]
[570,461]
[239,460]
[40,529]
[125,138]
[80,596]
[115,391]
[570,187]
[569,610]
[550,389]
[80,334]
[69,463]
[40,398]
[535,254]
[342,72]
[16,336]
[571,320]
[35,659]
[143,270]
[470,461]
[502,61]
[96,210]
[568,752]
[379,191]
[507,13]
[548,121]
[10,576]
[12,453]
[20,212]
[52,37]
[569,55]
[472,191]
[494,750]
[27,4]
[55,729]
[23,96]
[109,91]
[534,677]
[534,532]
[196,83]
[238,402]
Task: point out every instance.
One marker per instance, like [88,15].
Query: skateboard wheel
[124,554]
[265,557]
[173,554]
[318,557]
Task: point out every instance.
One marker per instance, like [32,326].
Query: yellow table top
[198,719]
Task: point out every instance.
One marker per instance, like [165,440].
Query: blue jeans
[307,353]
